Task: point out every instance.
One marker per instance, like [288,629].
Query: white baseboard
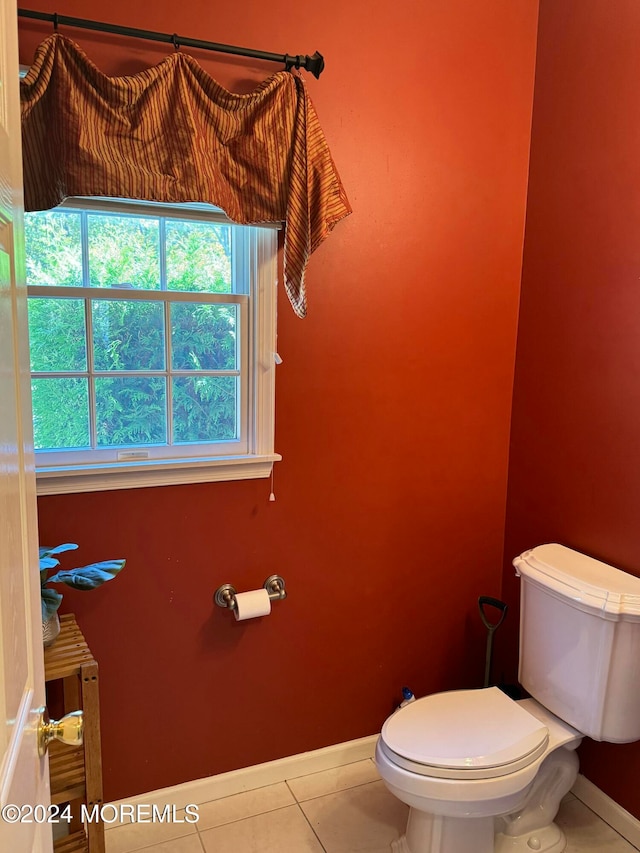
[246,779]
[258,776]
[624,823]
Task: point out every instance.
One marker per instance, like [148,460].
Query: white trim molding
[260,775]
[136,475]
[292,767]
[624,823]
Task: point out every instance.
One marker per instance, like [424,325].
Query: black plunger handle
[486,600]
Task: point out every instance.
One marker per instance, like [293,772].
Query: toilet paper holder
[225,595]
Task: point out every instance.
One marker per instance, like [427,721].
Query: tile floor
[345,810]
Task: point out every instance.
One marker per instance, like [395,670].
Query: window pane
[131,410]
[60,413]
[57,334]
[204,408]
[128,335]
[53,248]
[203,337]
[198,256]
[124,251]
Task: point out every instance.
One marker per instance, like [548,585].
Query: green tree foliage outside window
[155,371]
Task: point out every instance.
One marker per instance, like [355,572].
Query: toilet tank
[580,641]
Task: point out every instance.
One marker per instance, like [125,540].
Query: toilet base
[532,828]
[551,839]
[442,835]
[527,826]
[427,833]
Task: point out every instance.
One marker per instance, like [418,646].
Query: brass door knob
[69,730]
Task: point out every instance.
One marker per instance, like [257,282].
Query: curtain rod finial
[314,64]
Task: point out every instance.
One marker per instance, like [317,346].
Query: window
[152,337]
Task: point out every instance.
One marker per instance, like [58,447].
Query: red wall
[574,473]
[393,407]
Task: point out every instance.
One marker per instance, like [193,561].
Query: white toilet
[482,772]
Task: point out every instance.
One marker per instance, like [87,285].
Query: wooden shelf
[66,772]
[76,772]
[74,843]
[68,653]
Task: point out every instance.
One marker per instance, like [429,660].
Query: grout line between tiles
[269,811]
[602,820]
[246,817]
[166,841]
[330,793]
[312,829]
[239,794]
[200,842]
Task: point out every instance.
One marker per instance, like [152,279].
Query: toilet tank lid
[591,585]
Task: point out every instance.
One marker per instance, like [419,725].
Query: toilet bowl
[464,758]
[483,773]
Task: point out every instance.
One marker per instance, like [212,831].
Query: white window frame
[258,368]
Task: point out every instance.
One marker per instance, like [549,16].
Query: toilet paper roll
[249,605]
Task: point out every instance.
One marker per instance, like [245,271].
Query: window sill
[138,475]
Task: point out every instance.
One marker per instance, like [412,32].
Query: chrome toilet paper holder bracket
[225,595]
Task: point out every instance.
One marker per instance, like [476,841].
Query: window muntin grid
[174,374]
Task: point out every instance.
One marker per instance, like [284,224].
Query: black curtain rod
[314,63]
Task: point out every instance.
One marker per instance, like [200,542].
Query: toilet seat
[464,734]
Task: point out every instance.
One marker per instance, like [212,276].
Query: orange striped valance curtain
[172,134]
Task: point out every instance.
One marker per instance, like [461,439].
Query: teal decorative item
[83,578]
